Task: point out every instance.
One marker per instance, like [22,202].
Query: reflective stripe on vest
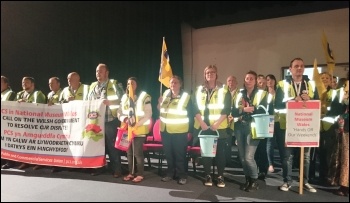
[178,110]
[214,106]
[218,105]
[139,112]
[113,97]
[85,91]
[285,90]
[35,96]
[287,86]
[125,110]
[4,98]
[173,113]
[341,94]
[238,98]
[329,119]
[174,120]
[334,94]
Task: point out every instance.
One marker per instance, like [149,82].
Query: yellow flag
[131,116]
[165,72]
[321,89]
[328,54]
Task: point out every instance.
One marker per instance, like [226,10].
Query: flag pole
[160,75]
[161,64]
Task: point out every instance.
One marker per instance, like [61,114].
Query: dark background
[45,39]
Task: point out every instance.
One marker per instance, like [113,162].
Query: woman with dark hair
[247,103]
[341,83]
[140,126]
[271,84]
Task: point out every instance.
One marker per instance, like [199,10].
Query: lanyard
[297,87]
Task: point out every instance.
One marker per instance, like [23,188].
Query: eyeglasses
[210,72]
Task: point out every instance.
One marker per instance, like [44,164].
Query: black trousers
[175,149]
[261,156]
[113,153]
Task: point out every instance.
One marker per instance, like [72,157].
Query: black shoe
[182,181]
[262,176]
[166,179]
[253,185]
[246,184]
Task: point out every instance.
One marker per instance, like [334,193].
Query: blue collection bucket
[208,144]
[262,124]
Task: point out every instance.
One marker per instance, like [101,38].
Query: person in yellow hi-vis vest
[141,126]
[176,121]
[298,88]
[53,98]
[75,89]
[212,106]
[264,154]
[247,103]
[55,87]
[327,131]
[7,95]
[30,94]
[110,92]
[231,83]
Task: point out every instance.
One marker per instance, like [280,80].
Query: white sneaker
[221,182]
[309,188]
[285,187]
[208,181]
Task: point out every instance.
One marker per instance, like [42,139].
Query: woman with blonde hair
[212,106]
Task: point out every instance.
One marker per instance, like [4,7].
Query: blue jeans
[270,144]
[246,149]
[287,163]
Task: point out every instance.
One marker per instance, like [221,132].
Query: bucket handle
[217,133]
[263,107]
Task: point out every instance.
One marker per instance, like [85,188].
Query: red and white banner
[69,135]
[303,123]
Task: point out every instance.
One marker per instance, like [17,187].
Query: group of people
[104,88]
[214,108]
